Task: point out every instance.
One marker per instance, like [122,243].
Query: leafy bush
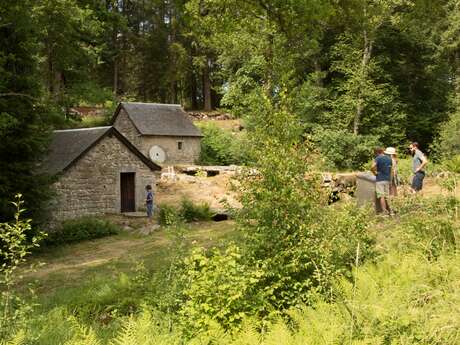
[168,215]
[222,289]
[221,147]
[405,172]
[191,212]
[187,212]
[81,229]
[344,150]
[448,142]
[429,228]
[16,242]
[401,299]
[295,245]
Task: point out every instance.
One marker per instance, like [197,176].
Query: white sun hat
[390,151]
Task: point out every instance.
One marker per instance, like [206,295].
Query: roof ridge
[81,129]
[165,104]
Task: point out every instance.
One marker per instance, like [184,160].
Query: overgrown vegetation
[405,293]
[16,243]
[81,229]
[343,151]
[187,212]
[221,147]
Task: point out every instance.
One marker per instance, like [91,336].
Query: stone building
[97,171]
[162,132]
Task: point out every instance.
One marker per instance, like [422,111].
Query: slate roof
[68,145]
[159,119]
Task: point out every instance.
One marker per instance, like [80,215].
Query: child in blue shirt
[149,200]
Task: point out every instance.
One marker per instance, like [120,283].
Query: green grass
[407,294]
[71,270]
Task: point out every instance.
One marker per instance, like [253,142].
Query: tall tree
[69,32]
[23,130]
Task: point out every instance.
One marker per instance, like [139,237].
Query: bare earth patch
[213,190]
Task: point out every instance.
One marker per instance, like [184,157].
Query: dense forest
[374,68]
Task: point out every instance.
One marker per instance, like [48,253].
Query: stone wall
[189,154]
[191,146]
[126,127]
[91,186]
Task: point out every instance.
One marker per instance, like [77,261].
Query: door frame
[132,173]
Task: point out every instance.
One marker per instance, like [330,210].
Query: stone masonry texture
[91,186]
[191,146]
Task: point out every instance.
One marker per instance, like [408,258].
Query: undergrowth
[81,229]
[187,212]
[408,293]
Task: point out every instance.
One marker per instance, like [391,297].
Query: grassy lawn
[72,274]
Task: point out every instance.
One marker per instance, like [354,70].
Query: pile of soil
[214,190]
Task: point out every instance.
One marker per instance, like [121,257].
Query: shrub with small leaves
[191,212]
[222,290]
[16,243]
[169,215]
[81,229]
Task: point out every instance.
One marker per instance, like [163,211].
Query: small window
[179,145]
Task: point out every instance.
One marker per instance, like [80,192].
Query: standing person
[391,151]
[149,201]
[381,167]
[419,162]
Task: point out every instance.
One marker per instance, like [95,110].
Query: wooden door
[127,189]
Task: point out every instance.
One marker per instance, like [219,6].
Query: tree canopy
[354,73]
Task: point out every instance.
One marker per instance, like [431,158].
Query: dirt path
[73,260]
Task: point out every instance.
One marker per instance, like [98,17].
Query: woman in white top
[391,151]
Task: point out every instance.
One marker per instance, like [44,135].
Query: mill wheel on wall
[157,154]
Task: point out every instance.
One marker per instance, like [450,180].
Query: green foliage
[24,119]
[187,212]
[81,229]
[448,142]
[343,150]
[405,171]
[403,300]
[192,213]
[222,290]
[364,100]
[16,243]
[221,147]
[168,215]
[288,226]
[405,295]
[18,339]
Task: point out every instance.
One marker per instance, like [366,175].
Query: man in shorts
[381,167]
[419,162]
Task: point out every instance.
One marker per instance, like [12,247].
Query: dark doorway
[127,189]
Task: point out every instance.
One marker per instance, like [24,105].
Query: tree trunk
[174,92]
[193,91]
[457,79]
[207,87]
[318,78]
[57,83]
[367,53]
[115,76]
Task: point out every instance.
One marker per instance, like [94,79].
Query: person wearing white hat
[391,151]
